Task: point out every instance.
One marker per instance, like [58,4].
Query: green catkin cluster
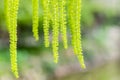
[54,11]
[35,5]
[11,10]
[55,26]
[46,21]
[75,14]
[62,4]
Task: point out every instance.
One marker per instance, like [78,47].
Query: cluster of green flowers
[54,11]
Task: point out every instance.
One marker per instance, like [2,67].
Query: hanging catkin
[35,6]
[13,35]
[78,31]
[74,15]
[72,24]
[46,20]
[55,26]
[62,4]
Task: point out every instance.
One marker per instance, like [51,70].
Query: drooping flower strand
[72,25]
[46,20]
[13,35]
[62,4]
[78,31]
[55,31]
[35,17]
[74,15]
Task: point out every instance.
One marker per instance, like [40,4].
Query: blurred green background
[100,25]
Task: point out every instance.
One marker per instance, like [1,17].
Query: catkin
[74,15]
[78,31]
[72,24]
[55,26]
[35,17]
[63,22]
[13,35]
[46,20]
